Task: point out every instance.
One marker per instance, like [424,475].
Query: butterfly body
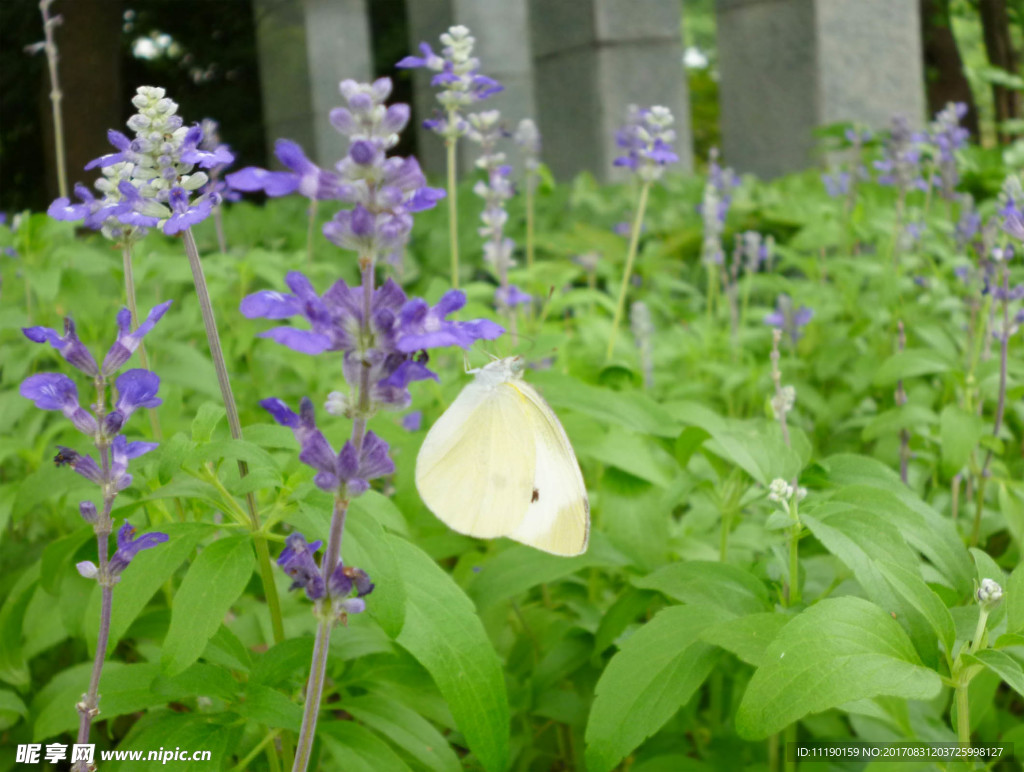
[498,463]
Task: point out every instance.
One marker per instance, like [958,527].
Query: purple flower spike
[68,344]
[128,547]
[422,327]
[511,297]
[127,341]
[315,451]
[297,561]
[54,391]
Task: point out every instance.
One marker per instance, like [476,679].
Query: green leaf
[207,417]
[746,637]
[213,582]
[919,595]
[633,410]
[123,689]
[875,487]
[518,568]
[357,749]
[443,632]
[270,707]
[57,557]
[366,545]
[633,453]
[959,432]
[654,674]
[406,729]
[630,605]
[837,651]
[12,709]
[911,363]
[1014,595]
[1003,665]
[13,667]
[706,583]
[867,542]
[188,731]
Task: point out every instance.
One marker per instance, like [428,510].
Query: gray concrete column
[306,48]
[501,29]
[592,59]
[789,66]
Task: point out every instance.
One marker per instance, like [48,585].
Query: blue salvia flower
[789,319]
[495,189]
[947,136]
[458,77]
[901,164]
[297,561]
[646,141]
[715,208]
[303,176]
[386,192]
[150,180]
[1011,211]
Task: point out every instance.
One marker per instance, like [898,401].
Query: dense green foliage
[678,640]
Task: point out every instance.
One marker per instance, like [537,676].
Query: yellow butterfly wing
[476,467]
[558,517]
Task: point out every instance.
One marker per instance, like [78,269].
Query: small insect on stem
[535,497]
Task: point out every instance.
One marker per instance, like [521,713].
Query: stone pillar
[501,29]
[789,66]
[306,48]
[592,59]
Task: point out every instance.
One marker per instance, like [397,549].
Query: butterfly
[498,463]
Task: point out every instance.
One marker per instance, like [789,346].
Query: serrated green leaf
[836,651]
[1003,665]
[207,417]
[632,410]
[12,709]
[655,673]
[705,583]
[1014,594]
[518,568]
[367,546]
[270,707]
[357,749]
[911,363]
[213,583]
[406,729]
[959,432]
[443,632]
[747,637]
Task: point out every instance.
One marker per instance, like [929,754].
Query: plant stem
[793,590]
[634,242]
[310,228]
[963,715]
[453,209]
[314,693]
[56,95]
[529,218]
[790,738]
[235,426]
[218,223]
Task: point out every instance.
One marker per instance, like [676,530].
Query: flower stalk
[634,243]
[56,95]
